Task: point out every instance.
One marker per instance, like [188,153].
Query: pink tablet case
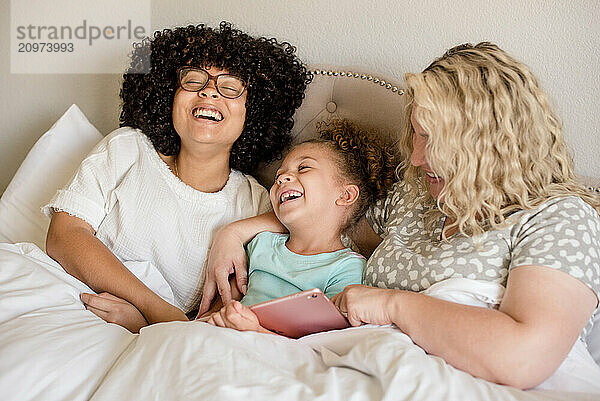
[300,314]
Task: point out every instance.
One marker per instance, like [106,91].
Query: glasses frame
[214,78]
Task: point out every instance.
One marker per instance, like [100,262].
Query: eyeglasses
[194,79]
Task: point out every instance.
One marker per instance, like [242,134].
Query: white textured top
[142,212]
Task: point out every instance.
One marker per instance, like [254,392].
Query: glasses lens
[230,86]
[192,79]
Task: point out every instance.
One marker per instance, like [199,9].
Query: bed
[51,348]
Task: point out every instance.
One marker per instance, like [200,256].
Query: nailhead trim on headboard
[592,184]
[350,74]
[594,189]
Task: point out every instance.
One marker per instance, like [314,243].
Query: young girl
[321,190]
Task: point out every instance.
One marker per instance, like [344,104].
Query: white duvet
[51,348]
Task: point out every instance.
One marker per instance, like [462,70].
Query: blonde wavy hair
[492,136]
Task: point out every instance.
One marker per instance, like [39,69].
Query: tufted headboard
[371,100]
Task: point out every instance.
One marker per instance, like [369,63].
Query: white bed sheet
[51,348]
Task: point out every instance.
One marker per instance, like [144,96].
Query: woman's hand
[227,256]
[216,306]
[114,310]
[364,304]
[518,344]
[236,316]
[72,243]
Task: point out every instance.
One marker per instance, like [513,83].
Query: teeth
[207,113]
[289,194]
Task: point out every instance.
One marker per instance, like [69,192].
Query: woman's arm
[227,256]
[113,309]
[521,344]
[73,244]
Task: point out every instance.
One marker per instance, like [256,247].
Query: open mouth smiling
[207,113]
[289,196]
[432,177]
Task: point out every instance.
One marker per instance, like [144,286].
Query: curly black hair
[276,82]
[364,157]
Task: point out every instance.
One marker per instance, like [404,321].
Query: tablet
[300,314]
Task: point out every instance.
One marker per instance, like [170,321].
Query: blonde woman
[487,193]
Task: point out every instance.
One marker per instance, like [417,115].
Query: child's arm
[236,316]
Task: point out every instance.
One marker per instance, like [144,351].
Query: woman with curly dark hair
[136,221]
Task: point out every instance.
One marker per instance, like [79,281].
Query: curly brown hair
[364,158]
[276,83]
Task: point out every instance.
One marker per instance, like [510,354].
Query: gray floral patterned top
[562,233]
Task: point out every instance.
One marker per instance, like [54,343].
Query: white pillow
[48,166]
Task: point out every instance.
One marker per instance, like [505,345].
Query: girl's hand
[114,310]
[236,316]
[364,304]
[227,256]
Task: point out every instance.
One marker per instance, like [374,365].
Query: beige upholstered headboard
[369,99]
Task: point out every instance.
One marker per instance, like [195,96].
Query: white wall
[559,40]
